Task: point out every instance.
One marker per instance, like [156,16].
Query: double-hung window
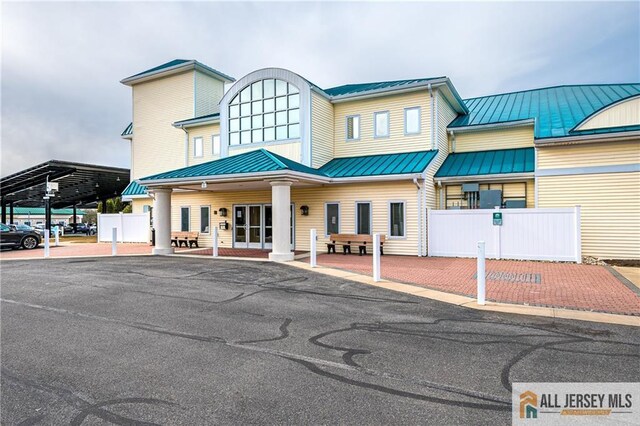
[396,219]
[412,121]
[332,218]
[204,219]
[353,127]
[381,124]
[215,142]
[184,219]
[363,218]
[197,147]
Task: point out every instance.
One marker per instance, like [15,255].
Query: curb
[469,302]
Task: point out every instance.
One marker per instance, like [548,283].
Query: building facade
[268,157]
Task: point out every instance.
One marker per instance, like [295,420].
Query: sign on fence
[526,234]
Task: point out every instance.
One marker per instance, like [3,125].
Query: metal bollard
[481,274]
[46,243]
[313,248]
[56,233]
[114,241]
[376,257]
[215,242]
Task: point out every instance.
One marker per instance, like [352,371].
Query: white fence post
[497,235]
[427,249]
[313,249]
[46,243]
[577,218]
[56,234]
[114,241]
[215,242]
[481,274]
[376,257]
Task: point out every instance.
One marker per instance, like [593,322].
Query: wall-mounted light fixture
[223,211]
[304,210]
[204,185]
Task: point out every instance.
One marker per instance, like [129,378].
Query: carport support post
[376,257]
[10,211]
[481,274]
[215,242]
[74,217]
[313,249]
[4,211]
[281,208]
[162,220]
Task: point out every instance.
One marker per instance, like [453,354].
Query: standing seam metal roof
[556,110]
[348,89]
[501,161]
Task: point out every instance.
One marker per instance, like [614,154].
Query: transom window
[264,111]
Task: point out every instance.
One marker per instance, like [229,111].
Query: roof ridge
[275,158]
[551,87]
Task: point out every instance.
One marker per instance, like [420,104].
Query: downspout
[431,114]
[415,182]
[535,178]
[423,214]
[453,141]
[186,146]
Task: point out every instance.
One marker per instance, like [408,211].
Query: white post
[215,241]
[498,235]
[162,221]
[481,274]
[577,218]
[56,234]
[114,241]
[281,221]
[46,243]
[376,257]
[313,249]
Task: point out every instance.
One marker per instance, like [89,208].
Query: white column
[281,211]
[312,246]
[376,257]
[162,221]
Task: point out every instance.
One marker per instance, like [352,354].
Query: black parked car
[14,238]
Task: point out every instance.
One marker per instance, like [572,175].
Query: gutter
[572,140]
[194,123]
[493,126]
[419,204]
[485,178]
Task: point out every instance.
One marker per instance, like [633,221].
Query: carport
[79,185]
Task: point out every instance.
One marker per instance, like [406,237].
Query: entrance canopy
[78,184]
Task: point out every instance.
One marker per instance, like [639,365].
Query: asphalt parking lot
[149,340]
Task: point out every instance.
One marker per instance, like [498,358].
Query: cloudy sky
[62,62]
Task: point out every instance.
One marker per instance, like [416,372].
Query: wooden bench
[189,239]
[347,240]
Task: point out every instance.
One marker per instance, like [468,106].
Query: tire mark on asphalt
[284,333]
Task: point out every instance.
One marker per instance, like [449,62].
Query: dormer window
[265,111]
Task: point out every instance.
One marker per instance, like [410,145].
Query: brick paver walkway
[233,252]
[77,249]
[562,285]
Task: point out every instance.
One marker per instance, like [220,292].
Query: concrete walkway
[546,286]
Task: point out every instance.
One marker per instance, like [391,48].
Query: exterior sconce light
[204,185]
[304,210]
[223,211]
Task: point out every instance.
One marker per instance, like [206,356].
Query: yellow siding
[158,146]
[347,195]
[137,204]
[208,92]
[321,130]
[585,155]
[485,140]
[397,142]
[623,114]
[610,205]
[290,150]
[206,133]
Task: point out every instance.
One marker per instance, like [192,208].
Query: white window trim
[404,218]
[326,228]
[188,219]
[375,125]
[195,140]
[346,128]
[213,145]
[355,229]
[419,108]
[200,220]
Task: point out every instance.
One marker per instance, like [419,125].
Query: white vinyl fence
[526,234]
[132,228]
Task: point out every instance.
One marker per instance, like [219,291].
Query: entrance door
[255,226]
[240,227]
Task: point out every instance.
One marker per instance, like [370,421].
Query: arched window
[264,111]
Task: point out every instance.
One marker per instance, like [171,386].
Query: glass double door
[252,226]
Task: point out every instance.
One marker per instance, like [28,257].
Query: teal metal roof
[502,161]
[350,89]
[257,161]
[177,63]
[134,188]
[128,131]
[556,110]
[196,119]
[169,64]
[40,211]
[262,160]
[378,165]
